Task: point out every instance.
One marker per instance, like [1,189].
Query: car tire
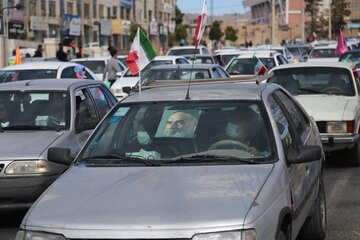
[353,155]
[315,225]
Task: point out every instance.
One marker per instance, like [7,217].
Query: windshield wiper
[29,127]
[312,91]
[206,158]
[122,158]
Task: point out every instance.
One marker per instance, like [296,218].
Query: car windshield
[19,75]
[227,58]
[323,53]
[34,110]
[184,51]
[199,60]
[181,133]
[246,66]
[315,80]
[295,51]
[175,74]
[123,61]
[97,66]
[150,65]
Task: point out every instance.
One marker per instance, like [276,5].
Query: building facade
[106,22]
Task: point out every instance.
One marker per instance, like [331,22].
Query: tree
[133,30]
[215,31]
[339,10]
[178,16]
[181,32]
[312,8]
[171,39]
[230,34]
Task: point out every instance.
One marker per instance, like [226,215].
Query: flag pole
[138,38]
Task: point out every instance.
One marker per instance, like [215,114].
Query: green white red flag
[259,67]
[201,24]
[141,53]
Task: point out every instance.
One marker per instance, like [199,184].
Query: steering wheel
[227,142]
[333,90]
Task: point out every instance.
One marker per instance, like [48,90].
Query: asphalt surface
[342,186]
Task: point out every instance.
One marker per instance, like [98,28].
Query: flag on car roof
[341,45]
[201,24]
[17,56]
[259,67]
[141,53]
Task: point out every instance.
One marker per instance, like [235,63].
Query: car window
[315,80]
[301,123]
[184,51]
[222,72]
[183,61]
[216,73]
[205,50]
[282,60]
[174,74]
[101,100]
[87,75]
[97,66]
[19,75]
[241,66]
[268,62]
[177,130]
[283,126]
[68,72]
[85,110]
[323,53]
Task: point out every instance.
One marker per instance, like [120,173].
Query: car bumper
[338,142]
[19,192]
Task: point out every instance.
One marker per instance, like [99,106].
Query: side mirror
[119,74]
[126,90]
[60,155]
[305,56]
[304,154]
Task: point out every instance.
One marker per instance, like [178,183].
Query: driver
[240,127]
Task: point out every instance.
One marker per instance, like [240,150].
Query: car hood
[125,82]
[148,198]
[324,107]
[31,143]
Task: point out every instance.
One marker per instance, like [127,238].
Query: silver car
[231,161]
[36,115]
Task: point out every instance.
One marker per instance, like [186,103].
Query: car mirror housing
[126,90]
[304,154]
[59,155]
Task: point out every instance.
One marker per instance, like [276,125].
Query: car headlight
[25,235]
[234,235]
[116,90]
[27,167]
[340,127]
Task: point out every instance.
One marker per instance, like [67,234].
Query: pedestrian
[39,51]
[111,68]
[11,60]
[79,54]
[60,54]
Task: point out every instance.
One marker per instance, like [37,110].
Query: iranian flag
[259,67]
[201,24]
[141,53]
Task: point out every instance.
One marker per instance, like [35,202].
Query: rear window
[19,75]
[175,74]
[95,66]
[323,53]
[180,52]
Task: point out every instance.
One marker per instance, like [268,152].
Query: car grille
[321,126]
[1,167]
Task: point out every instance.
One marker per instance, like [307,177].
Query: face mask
[143,138]
[232,130]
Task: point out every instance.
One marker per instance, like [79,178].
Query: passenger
[181,124]
[57,110]
[4,120]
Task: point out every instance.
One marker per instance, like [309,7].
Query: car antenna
[187,97]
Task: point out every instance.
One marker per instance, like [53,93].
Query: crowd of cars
[198,146]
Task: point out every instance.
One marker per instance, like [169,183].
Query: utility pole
[303,20]
[329,35]
[273,16]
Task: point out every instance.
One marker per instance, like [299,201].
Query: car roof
[315,64]
[185,66]
[203,91]
[159,58]
[185,47]
[198,55]
[330,46]
[258,53]
[40,65]
[46,84]
[91,59]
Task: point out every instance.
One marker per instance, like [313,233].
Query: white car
[97,65]
[329,91]
[323,53]
[282,50]
[42,70]
[243,64]
[186,50]
[129,80]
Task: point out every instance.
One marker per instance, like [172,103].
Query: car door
[295,130]
[102,98]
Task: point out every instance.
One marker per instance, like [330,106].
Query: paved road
[342,185]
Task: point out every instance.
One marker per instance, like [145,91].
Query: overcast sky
[220,6]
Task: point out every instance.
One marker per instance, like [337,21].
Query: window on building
[62,7]
[69,8]
[150,16]
[78,7]
[114,14]
[109,12]
[43,8]
[86,11]
[10,3]
[101,11]
[122,13]
[52,9]
[127,14]
[32,7]
[94,9]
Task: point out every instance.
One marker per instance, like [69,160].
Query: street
[343,204]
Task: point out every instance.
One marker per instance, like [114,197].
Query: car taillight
[350,126]
[356,72]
